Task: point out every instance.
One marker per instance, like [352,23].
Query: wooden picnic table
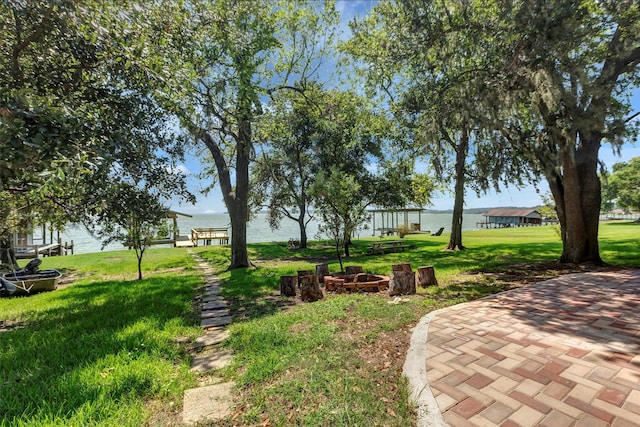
[386,231]
[387,246]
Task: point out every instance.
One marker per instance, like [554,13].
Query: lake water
[258,230]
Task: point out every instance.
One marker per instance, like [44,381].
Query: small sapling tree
[340,207]
[130,215]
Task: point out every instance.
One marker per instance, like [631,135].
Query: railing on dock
[208,235]
[49,249]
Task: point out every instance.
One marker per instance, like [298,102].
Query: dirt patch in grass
[249,308]
[68,278]
[517,275]
[164,414]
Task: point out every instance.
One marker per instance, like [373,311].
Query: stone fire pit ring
[360,282]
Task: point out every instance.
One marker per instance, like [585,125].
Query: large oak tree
[554,79]
[573,67]
[425,60]
[214,64]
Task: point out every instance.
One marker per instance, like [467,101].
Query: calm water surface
[258,230]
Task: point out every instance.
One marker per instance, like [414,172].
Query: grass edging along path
[109,350]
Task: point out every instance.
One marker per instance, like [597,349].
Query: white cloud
[181,170]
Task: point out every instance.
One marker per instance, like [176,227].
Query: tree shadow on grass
[256,293]
[99,345]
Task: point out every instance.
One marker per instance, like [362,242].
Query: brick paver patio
[564,352]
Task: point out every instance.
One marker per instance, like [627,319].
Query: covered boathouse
[502,218]
[389,220]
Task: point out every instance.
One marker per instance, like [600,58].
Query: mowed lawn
[105,349]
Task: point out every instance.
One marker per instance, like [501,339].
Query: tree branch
[631,117]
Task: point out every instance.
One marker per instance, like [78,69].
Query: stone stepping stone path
[207,403]
[210,402]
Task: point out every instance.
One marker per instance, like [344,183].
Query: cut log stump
[402,283]
[401,267]
[427,276]
[302,273]
[310,289]
[321,271]
[288,285]
[353,269]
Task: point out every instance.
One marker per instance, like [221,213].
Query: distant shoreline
[471,211]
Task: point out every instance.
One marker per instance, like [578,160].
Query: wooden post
[353,269]
[321,271]
[401,267]
[288,285]
[402,283]
[310,289]
[427,276]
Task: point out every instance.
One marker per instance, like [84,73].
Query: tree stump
[321,271]
[302,273]
[402,283]
[288,285]
[353,269]
[427,276]
[310,289]
[401,267]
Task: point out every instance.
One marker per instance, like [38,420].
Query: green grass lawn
[110,350]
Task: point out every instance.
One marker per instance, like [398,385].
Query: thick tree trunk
[235,198]
[239,254]
[347,243]
[303,231]
[591,197]
[581,204]
[7,255]
[557,191]
[455,240]
[577,195]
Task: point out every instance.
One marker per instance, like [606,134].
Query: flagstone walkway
[564,352]
[212,400]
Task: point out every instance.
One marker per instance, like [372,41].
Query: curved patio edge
[415,370]
[562,351]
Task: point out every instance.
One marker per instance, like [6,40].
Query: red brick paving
[564,352]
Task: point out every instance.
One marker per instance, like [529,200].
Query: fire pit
[361,282]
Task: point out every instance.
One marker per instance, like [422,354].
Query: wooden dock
[209,235]
[48,249]
[201,235]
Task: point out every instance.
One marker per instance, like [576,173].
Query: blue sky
[510,196]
